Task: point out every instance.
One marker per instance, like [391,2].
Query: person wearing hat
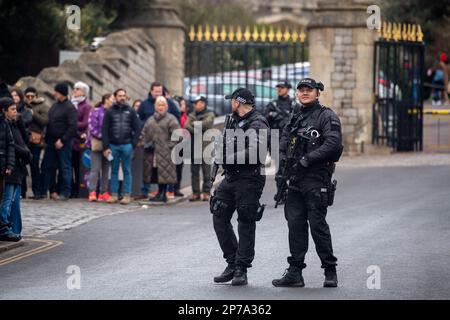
[318,131]
[277,112]
[7,160]
[61,130]
[242,186]
[202,118]
[80,94]
[39,121]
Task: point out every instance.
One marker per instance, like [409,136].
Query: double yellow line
[46,246]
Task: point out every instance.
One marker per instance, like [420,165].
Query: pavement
[390,215]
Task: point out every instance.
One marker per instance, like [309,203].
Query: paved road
[394,218]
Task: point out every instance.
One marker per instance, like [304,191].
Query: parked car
[261,82]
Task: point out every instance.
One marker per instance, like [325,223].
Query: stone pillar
[341,56]
[159,19]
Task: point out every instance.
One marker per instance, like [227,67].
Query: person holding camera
[156,140]
[313,139]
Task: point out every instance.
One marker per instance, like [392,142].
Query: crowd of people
[49,143]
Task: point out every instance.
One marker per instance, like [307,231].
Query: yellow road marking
[437,111]
[48,245]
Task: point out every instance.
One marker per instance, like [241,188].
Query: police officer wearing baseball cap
[277,111]
[241,189]
[311,191]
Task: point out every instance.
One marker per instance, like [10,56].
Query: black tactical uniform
[240,190]
[311,190]
[279,110]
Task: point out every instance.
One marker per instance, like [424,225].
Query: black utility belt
[244,171]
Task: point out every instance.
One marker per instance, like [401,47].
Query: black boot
[331,280]
[178,193]
[227,275]
[160,197]
[291,278]
[240,277]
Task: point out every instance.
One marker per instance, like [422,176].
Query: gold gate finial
[255,34]
[231,34]
[287,35]
[239,34]
[207,33]
[223,34]
[192,33]
[404,33]
[419,33]
[247,34]
[279,35]
[302,36]
[215,34]
[271,34]
[263,34]
[200,33]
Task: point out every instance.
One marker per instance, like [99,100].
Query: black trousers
[241,193]
[308,206]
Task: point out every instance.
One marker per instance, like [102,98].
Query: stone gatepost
[159,19]
[341,49]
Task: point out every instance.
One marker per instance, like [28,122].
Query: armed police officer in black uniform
[278,111]
[242,187]
[311,143]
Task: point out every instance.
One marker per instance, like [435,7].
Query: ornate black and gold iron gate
[220,61]
[398,87]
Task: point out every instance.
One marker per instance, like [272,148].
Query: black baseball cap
[283,84]
[199,98]
[242,95]
[311,83]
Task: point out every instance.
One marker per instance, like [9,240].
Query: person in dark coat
[10,206]
[26,116]
[61,130]
[6,141]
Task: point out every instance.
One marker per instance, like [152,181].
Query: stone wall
[126,59]
[341,56]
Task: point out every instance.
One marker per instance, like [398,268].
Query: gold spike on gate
[271,35]
[389,31]
[287,35]
[263,35]
[294,36]
[200,33]
[255,34]
[404,32]
[239,34]
[396,32]
[192,33]
[231,34]
[412,33]
[223,34]
[279,35]
[302,36]
[215,34]
[207,33]
[247,34]
[419,34]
